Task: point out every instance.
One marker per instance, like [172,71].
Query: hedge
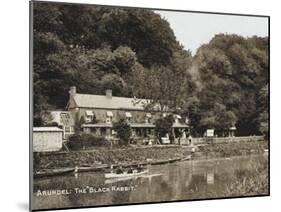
[82,141]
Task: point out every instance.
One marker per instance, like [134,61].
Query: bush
[82,141]
[123,130]
[164,126]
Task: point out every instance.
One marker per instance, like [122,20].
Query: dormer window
[148,118]
[177,118]
[89,116]
[128,116]
[187,120]
[109,116]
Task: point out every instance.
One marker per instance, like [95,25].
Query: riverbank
[252,181]
[102,155]
[131,155]
[231,149]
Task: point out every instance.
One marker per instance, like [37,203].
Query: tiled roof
[101,101]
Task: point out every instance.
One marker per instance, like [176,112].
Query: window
[109,116]
[128,116]
[89,116]
[177,117]
[148,118]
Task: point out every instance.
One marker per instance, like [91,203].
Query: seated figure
[119,170]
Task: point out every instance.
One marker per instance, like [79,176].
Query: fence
[203,140]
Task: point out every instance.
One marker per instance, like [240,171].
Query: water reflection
[178,181]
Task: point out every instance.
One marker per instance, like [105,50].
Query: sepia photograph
[144,105]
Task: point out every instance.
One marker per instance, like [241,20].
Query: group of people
[130,170]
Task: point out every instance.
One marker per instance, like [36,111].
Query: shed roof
[47,129]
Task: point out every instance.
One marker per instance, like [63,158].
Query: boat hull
[124,175]
[54,172]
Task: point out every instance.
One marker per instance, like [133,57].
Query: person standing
[190,139]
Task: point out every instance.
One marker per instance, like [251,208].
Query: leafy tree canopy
[94,48]
[232,71]
[135,53]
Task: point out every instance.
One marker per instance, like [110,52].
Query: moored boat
[186,158]
[159,162]
[52,172]
[92,168]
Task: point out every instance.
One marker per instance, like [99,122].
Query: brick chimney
[108,93]
[72,91]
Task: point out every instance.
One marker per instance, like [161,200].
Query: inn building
[96,114]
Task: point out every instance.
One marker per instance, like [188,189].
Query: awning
[109,114]
[128,115]
[98,125]
[135,125]
[148,115]
[179,125]
[89,113]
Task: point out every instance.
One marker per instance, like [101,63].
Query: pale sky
[194,29]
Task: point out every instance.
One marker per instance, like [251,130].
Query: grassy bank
[233,149]
[105,155]
[118,155]
[250,182]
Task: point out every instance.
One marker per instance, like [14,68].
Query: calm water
[178,181]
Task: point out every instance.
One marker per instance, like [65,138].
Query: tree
[123,130]
[232,70]
[263,116]
[164,126]
[92,27]
[135,53]
[173,80]
[94,47]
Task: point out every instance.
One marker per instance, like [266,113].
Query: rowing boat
[125,174]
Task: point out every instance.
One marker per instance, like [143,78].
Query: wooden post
[173,133]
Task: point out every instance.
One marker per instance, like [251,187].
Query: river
[187,180]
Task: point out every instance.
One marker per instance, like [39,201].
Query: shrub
[123,130]
[164,126]
[82,141]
